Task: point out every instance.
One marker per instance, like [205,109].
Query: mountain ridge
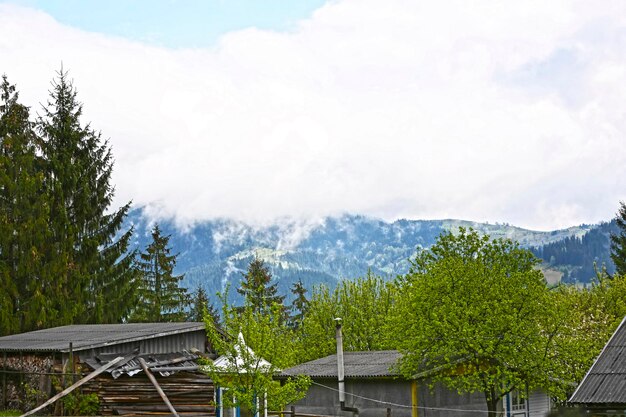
[214,253]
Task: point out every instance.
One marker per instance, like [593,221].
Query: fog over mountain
[214,253]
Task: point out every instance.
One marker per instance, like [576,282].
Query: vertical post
[340,381]
[414,399]
[388,412]
[21,368]
[4,381]
[293,411]
[72,367]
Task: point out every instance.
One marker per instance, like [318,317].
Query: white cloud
[500,111]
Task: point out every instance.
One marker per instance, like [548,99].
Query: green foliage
[92,266]
[255,345]
[476,315]
[10,413]
[161,299]
[300,305]
[257,289]
[199,307]
[618,241]
[24,213]
[77,404]
[363,305]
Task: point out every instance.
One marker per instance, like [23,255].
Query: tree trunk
[494,408]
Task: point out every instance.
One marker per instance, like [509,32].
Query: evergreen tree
[24,303]
[618,241]
[161,299]
[199,307]
[299,306]
[256,287]
[97,273]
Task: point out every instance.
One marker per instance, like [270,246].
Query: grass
[10,413]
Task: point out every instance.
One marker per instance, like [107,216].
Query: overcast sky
[500,111]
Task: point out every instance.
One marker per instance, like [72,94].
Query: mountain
[577,257]
[214,253]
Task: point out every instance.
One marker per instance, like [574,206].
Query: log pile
[191,394]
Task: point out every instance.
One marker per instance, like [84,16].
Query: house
[603,389]
[374,388]
[37,364]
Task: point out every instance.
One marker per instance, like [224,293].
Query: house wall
[323,398]
[538,404]
[380,394]
[164,344]
[440,401]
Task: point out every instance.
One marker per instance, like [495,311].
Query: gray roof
[605,383]
[356,365]
[89,336]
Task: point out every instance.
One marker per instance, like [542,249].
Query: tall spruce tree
[97,274]
[618,242]
[24,297]
[256,287]
[299,306]
[161,299]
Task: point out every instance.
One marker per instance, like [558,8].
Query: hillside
[577,257]
[213,254]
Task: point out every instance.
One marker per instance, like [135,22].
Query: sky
[499,111]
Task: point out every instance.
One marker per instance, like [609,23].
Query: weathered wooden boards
[189,393]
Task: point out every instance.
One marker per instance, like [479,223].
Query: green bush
[81,405]
[10,413]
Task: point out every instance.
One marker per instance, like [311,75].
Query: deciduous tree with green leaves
[254,345]
[161,298]
[477,315]
[363,304]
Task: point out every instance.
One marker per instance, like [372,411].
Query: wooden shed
[37,364]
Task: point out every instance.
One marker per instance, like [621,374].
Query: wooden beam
[74,386]
[158,387]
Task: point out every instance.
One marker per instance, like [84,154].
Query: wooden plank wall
[190,393]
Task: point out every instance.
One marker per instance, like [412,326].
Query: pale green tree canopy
[363,304]
[254,346]
[478,316]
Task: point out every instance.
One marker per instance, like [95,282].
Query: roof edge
[595,362]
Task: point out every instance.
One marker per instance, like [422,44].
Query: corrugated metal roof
[356,365]
[89,336]
[605,383]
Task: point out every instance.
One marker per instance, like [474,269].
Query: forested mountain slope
[213,254]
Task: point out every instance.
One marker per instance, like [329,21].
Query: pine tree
[161,299]
[199,307]
[618,242]
[97,273]
[23,220]
[256,287]
[299,306]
